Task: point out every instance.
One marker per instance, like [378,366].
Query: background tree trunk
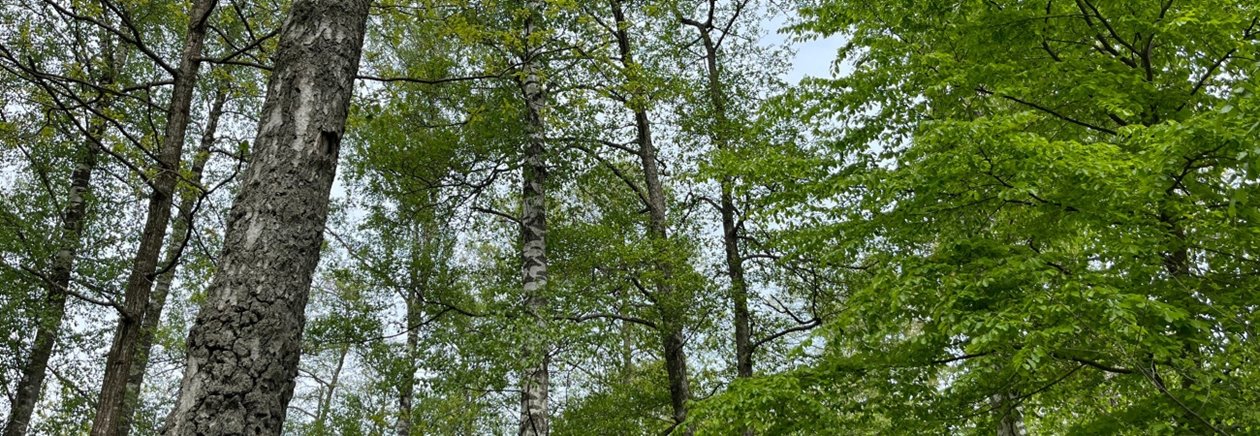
[671,325]
[407,383]
[535,380]
[321,426]
[1010,421]
[244,345]
[162,287]
[73,218]
[719,133]
[73,221]
[110,406]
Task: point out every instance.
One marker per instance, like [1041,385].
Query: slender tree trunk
[627,341]
[162,287]
[425,271]
[73,217]
[245,342]
[535,380]
[407,383]
[671,310]
[326,400]
[720,135]
[122,354]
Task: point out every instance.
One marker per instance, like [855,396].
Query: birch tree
[244,346]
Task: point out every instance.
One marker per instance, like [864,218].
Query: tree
[1041,198]
[189,202]
[620,217]
[112,409]
[244,346]
[57,278]
[535,380]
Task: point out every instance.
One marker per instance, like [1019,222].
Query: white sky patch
[811,58]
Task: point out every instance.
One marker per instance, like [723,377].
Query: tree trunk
[122,354]
[73,218]
[407,383]
[162,287]
[1010,421]
[326,400]
[719,133]
[671,311]
[534,382]
[245,342]
[627,340]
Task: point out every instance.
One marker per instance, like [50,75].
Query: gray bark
[122,354]
[534,382]
[245,343]
[175,245]
[73,217]
[671,311]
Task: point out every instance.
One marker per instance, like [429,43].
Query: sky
[813,58]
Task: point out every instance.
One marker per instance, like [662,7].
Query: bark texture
[122,354]
[245,342]
[174,247]
[670,309]
[73,217]
[535,380]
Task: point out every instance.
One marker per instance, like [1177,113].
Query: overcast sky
[813,58]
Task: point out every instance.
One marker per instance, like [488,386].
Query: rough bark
[122,354]
[671,311]
[535,380]
[162,286]
[245,342]
[719,133]
[73,217]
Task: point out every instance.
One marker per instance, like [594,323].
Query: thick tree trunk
[73,218]
[122,354]
[162,287]
[244,345]
[671,310]
[534,382]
